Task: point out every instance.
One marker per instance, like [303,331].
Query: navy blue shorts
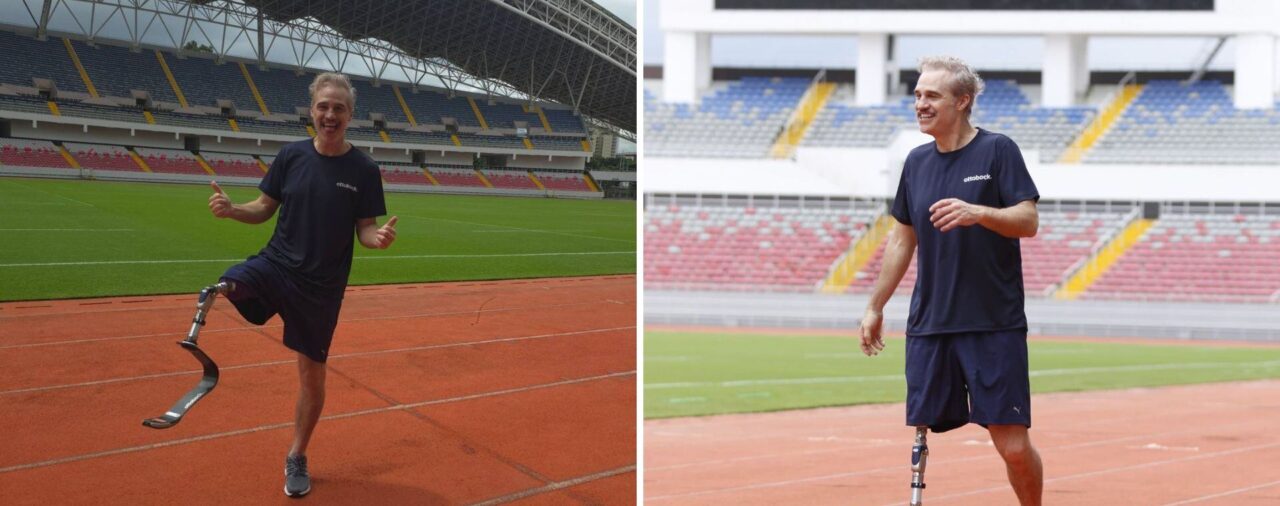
[263,290]
[979,377]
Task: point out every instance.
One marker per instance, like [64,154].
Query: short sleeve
[272,184]
[372,203]
[1013,178]
[901,209]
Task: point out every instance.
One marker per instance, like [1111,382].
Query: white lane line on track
[557,485]
[378,257]
[278,325]
[260,428]
[1224,493]
[890,377]
[339,356]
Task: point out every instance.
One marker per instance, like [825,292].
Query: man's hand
[872,341]
[387,233]
[952,213]
[219,204]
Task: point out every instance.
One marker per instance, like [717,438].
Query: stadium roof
[570,51]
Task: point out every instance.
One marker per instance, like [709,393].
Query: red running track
[519,392]
[1212,444]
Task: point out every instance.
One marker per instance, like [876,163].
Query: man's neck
[331,147]
[956,139]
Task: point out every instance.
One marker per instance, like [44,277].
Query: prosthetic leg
[210,379]
[919,456]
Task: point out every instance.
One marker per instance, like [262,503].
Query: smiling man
[963,202]
[328,194]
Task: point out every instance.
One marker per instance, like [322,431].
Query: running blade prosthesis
[210,378]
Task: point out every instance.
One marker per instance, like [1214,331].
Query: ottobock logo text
[983,177]
[349,187]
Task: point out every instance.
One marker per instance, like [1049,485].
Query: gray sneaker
[296,480]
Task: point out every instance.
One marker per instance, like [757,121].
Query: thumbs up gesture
[387,233]
[219,204]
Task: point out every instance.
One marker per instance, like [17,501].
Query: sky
[625,9]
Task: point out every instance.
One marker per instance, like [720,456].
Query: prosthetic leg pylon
[919,456]
[210,378]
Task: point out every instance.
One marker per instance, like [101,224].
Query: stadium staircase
[810,104]
[1101,124]
[535,180]
[1099,262]
[475,108]
[84,74]
[846,268]
[408,114]
[173,82]
[257,96]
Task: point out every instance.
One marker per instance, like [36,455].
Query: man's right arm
[897,258]
[253,213]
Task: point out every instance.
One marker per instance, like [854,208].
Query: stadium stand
[380,99]
[455,176]
[1002,108]
[283,91]
[738,119]
[204,82]
[1199,257]
[429,107]
[38,59]
[556,143]
[1172,122]
[563,121]
[24,103]
[509,179]
[735,248]
[416,137]
[1065,238]
[232,164]
[83,110]
[170,161]
[102,157]
[291,129]
[403,174]
[562,181]
[191,120]
[29,153]
[116,71]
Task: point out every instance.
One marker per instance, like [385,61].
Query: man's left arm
[374,237]
[1018,220]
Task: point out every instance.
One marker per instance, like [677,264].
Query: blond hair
[964,80]
[333,79]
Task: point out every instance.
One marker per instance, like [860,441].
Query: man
[325,189]
[963,201]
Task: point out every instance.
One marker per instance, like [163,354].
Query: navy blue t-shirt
[321,197]
[969,278]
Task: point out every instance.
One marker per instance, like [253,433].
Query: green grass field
[65,239]
[689,374]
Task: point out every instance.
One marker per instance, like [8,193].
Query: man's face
[330,113]
[938,110]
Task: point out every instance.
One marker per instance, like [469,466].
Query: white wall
[875,173]
[541,162]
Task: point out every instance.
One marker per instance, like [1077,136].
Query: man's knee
[1013,443]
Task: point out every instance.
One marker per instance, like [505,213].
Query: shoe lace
[295,466]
